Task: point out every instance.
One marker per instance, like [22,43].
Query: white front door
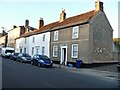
[63,55]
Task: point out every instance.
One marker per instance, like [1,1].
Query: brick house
[87,36]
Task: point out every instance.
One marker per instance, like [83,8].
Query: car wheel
[32,63]
[22,61]
[39,65]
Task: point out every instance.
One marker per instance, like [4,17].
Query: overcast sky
[15,12]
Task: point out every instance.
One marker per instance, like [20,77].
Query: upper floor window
[44,37]
[55,51]
[33,39]
[75,51]
[25,40]
[55,35]
[75,32]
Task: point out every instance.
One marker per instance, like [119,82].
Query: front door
[63,55]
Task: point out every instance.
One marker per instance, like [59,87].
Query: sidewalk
[93,72]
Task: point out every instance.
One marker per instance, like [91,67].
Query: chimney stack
[41,22]
[14,26]
[62,16]
[26,23]
[99,5]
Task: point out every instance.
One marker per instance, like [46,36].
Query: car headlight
[24,58]
[51,61]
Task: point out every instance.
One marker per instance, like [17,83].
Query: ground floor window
[24,50]
[43,50]
[75,51]
[32,50]
[21,50]
[55,51]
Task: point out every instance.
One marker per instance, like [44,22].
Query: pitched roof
[67,22]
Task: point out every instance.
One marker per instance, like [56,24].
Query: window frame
[43,50]
[32,50]
[44,37]
[55,46]
[74,35]
[25,40]
[33,39]
[55,35]
[73,51]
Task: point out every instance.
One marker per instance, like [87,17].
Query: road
[22,75]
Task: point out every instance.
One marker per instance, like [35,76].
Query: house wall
[65,39]
[101,39]
[38,42]
[12,35]
[3,40]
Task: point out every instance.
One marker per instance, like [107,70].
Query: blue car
[41,60]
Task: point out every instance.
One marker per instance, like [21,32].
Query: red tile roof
[67,22]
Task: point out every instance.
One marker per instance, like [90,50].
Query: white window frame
[25,40]
[32,50]
[44,37]
[75,32]
[43,50]
[25,50]
[55,35]
[73,51]
[33,39]
[55,47]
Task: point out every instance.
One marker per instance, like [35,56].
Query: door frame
[61,60]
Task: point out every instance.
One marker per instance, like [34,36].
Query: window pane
[32,50]
[55,51]
[75,51]
[75,32]
[55,35]
[43,50]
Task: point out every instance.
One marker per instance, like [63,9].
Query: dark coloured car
[24,57]
[118,66]
[14,56]
[41,60]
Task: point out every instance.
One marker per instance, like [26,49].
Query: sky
[15,12]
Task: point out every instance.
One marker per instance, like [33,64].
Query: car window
[44,57]
[26,55]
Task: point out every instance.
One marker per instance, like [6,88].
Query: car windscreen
[26,55]
[16,54]
[44,57]
[9,51]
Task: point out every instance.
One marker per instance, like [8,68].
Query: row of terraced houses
[87,36]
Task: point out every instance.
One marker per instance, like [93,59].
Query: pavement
[98,72]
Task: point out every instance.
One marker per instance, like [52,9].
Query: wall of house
[65,39]
[39,43]
[12,35]
[3,40]
[101,34]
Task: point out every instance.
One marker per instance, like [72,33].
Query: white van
[7,51]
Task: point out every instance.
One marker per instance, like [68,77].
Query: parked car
[118,66]
[24,57]
[41,60]
[14,56]
[7,51]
